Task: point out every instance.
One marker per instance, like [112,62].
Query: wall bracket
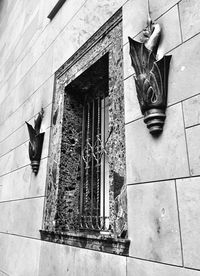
[36,142]
[151,77]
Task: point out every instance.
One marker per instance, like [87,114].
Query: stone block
[189,209]
[128,69]
[88,20]
[29,35]
[31,106]
[190,18]
[25,217]
[56,259]
[171,34]
[44,67]
[184,78]
[144,268]
[18,96]
[132,108]
[4,90]
[19,256]
[193,144]
[64,260]
[149,158]
[191,108]
[87,262]
[153,222]
[6,162]
[134,18]
[23,183]
[157,8]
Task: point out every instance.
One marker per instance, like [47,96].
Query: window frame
[95,48]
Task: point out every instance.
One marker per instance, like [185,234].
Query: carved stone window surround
[106,40]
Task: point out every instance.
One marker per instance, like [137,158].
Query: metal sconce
[151,77]
[36,142]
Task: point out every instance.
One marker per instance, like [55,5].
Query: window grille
[94,192]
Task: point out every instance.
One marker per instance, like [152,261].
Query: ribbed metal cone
[35,166]
[154,119]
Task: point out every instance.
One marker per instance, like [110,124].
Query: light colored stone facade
[162,174]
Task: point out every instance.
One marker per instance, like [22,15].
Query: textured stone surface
[61,260]
[153,222]
[88,261]
[149,158]
[23,183]
[25,217]
[132,108]
[157,8]
[56,259]
[23,252]
[190,18]
[144,268]
[31,106]
[134,18]
[44,67]
[171,34]
[111,43]
[184,71]
[189,206]
[193,143]
[128,69]
[191,108]
[88,20]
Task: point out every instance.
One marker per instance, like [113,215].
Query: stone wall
[162,174]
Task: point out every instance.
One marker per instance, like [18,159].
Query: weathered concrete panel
[144,268]
[190,17]
[193,143]
[191,108]
[189,208]
[149,158]
[153,222]
[22,217]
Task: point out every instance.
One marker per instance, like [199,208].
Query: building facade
[109,198]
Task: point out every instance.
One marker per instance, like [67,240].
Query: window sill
[99,242]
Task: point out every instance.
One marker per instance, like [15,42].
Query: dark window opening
[85,166]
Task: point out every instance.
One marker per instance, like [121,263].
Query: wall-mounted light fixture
[151,77]
[36,142]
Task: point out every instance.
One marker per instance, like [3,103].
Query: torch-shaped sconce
[151,77]
[36,142]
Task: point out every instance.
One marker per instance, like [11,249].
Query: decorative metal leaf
[151,79]
[36,142]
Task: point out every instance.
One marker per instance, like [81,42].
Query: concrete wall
[162,174]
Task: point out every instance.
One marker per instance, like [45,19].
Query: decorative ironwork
[36,142]
[151,77]
[93,166]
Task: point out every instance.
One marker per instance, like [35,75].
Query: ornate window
[86,193]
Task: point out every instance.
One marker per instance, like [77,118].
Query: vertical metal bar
[104,123]
[87,161]
[98,158]
[82,163]
[92,169]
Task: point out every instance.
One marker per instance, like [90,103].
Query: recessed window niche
[86,202]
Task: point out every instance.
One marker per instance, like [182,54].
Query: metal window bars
[94,190]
